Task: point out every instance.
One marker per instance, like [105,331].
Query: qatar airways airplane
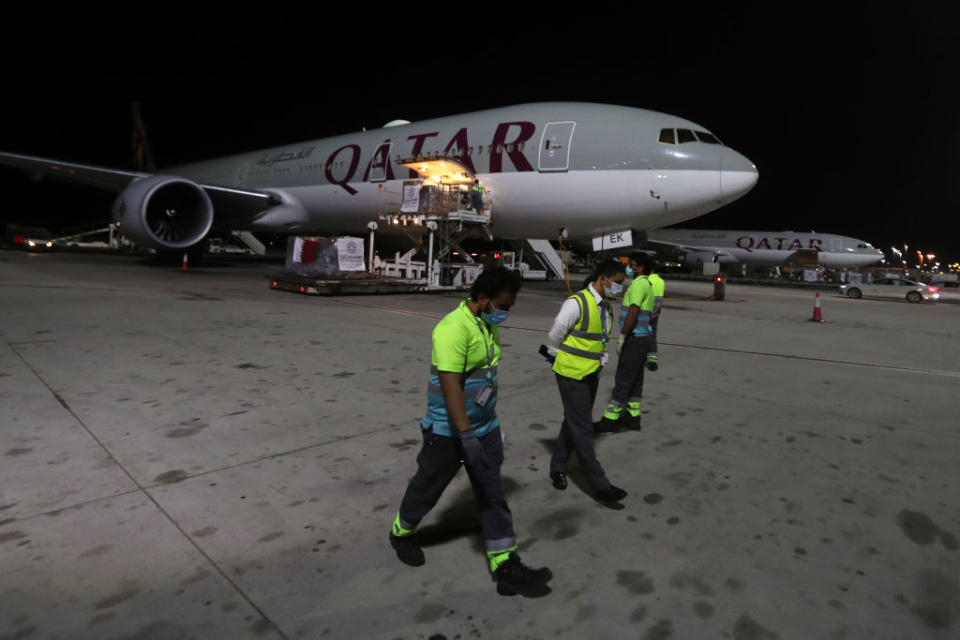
[590,170]
[767,248]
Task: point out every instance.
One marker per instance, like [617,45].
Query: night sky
[850,115]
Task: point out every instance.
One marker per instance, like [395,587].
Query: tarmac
[193,455]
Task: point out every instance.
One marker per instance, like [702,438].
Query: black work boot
[513,576]
[559,479]
[408,549]
[606,425]
[611,494]
[631,422]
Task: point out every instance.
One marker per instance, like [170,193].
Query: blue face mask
[630,272]
[494,317]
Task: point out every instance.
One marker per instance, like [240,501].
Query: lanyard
[604,308]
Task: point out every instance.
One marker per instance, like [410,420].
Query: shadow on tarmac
[575,476]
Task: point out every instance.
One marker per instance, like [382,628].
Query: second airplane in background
[767,248]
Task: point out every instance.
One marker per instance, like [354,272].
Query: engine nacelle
[164,212]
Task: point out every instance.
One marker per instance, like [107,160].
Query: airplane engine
[164,212]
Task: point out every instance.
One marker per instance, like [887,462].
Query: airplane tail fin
[139,143]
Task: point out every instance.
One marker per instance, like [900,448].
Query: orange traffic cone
[184,266]
[817,314]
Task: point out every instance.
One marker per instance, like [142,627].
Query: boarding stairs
[250,241]
[547,255]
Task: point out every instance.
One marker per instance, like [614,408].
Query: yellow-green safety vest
[582,350]
[659,288]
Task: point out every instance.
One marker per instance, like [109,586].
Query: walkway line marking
[766,354]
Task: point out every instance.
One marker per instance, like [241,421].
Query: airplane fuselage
[770,248]
[588,168]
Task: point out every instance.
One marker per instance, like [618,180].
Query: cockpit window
[667,137]
[685,135]
[709,138]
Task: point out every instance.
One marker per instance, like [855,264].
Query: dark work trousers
[628,383]
[576,432]
[477,200]
[438,462]
[652,351]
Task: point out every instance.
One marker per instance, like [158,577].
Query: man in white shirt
[578,341]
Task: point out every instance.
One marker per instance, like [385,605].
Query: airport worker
[476,195]
[659,288]
[461,427]
[578,340]
[632,347]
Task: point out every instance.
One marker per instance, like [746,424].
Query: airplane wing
[233,206]
[718,251]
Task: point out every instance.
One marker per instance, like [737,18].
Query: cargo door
[555,146]
[380,162]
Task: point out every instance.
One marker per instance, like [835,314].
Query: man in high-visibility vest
[461,427]
[578,340]
[632,347]
[476,195]
[659,288]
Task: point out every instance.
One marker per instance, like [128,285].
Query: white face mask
[614,290]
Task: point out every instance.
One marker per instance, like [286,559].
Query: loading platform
[372,284]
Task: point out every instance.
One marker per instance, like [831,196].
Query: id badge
[484,395]
[605,359]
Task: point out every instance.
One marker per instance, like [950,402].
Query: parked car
[899,288]
[37,244]
[949,290]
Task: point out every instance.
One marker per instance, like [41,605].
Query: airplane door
[378,166]
[555,146]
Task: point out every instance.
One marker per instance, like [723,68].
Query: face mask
[630,272]
[613,290]
[494,317]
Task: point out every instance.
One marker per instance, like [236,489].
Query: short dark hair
[494,281]
[608,269]
[642,260]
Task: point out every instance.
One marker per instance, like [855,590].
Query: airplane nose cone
[737,175]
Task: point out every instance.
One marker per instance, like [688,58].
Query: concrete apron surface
[192,455]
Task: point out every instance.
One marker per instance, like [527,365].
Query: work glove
[473,456]
[620,342]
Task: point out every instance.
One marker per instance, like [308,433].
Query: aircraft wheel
[914,296]
[854,293]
